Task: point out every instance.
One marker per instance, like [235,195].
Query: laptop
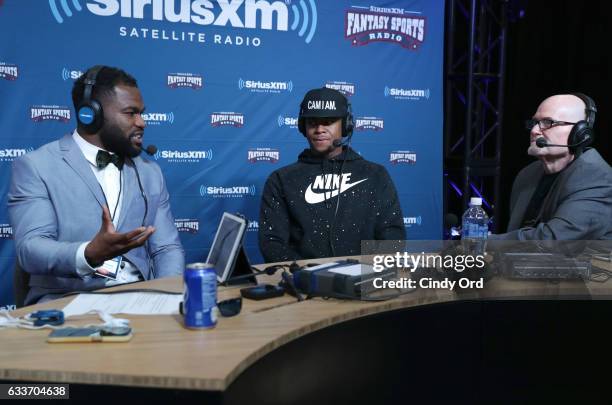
[227,245]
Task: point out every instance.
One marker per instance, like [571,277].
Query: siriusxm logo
[187,225]
[68,74]
[400,156]
[249,14]
[407,94]
[8,71]
[347,89]
[291,122]
[369,123]
[382,24]
[231,119]
[265,87]
[6,231]
[8,155]
[410,221]
[252,226]
[176,80]
[228,192]
[41,113]
[189,156]
[263,155]
[158,118]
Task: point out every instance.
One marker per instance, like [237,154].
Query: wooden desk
[163,354]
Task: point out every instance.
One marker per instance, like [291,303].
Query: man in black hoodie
[331,199]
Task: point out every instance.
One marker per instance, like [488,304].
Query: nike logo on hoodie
[332,184]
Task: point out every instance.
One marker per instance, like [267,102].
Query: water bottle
[475,228]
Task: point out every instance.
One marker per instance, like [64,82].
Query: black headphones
[582,133]
[348,122]
[89,113]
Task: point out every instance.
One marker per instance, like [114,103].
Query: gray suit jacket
[55,204]
[577,207]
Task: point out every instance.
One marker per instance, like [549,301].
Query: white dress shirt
[110,180]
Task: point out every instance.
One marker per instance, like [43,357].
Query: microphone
[340,142]
[541,142]
[151,150]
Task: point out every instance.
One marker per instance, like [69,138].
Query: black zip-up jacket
[315,199]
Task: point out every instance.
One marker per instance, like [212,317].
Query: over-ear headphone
[89,113]
[348,122]
[582,133]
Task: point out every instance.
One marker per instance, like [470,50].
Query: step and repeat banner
[222,82]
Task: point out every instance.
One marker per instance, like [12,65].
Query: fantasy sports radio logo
[191,226]
[190,80]
[289,122]
[401,156]
[8,155]
[6,231]
[40,113]
[299,16]
[265,87]
[384,24]
[347,89]
[227,119]
[252,226]
[263,155]
[188,156]
[369,123]
[8,71]
[228,192]
[409,222]
[71,74]
[158,118]
[407,94]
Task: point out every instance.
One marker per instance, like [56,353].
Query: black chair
[21,285]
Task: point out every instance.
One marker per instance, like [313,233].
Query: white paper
[319,267]
[353,269]
[128,303]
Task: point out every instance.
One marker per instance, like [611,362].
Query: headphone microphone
[151,150]
[341,142]
[541,142]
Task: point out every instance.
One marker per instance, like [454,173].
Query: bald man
[567,193]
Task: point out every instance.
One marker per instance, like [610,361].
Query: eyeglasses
[230,307]
[545,123]
[227,308]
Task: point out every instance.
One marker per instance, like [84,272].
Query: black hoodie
[301,208]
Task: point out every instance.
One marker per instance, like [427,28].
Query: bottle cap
[475,201]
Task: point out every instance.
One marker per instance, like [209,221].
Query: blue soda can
[200,297]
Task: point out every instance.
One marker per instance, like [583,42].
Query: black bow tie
[103,158]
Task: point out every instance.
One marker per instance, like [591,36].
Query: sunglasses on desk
[227,308]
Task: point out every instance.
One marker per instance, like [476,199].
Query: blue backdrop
[222,81]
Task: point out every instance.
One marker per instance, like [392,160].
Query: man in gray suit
[87,211]
[567,194]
